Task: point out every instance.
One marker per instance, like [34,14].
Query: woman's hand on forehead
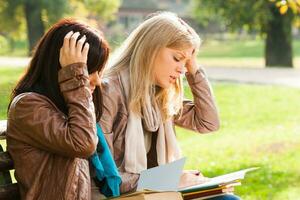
[191,61]
[188,53]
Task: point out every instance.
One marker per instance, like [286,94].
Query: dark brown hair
[42,74]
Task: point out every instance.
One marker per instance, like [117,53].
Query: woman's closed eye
[176,59]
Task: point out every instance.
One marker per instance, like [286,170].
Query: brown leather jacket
[50,149]
[200,115]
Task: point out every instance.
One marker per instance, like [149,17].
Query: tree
[273,19]
[39,15]
[35,25]
[35,14]
[8,23]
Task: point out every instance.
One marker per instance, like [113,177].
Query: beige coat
[200,116]
[50,149]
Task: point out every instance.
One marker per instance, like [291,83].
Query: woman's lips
[173,79]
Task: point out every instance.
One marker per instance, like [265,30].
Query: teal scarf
[106,169]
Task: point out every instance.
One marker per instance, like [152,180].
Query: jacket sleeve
[200,115]
[44,126]
[129,182]
[114,113]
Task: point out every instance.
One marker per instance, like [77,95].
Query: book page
[162,178]
[220,180]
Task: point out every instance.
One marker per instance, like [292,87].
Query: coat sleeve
[44,126]
[200,115]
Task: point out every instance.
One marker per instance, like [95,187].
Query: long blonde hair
[138,53]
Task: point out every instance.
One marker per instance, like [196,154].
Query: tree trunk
[35,26]
[278,50]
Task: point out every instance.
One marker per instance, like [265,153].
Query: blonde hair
[138,53]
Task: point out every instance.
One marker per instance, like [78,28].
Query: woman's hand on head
[191,177]
[72,51]
[191,63]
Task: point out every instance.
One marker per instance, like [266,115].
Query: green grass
[8,78]
[238,53]
[233,48]
[260,127]
[20,48]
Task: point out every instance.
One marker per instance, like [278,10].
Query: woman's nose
[181,69]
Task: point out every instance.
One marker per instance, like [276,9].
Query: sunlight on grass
[235,48]
[259,128]
[8,78]
[232,48]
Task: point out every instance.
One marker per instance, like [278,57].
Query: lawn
[8,77]
[260,127]
[238,53]
[235,48]
[20,47]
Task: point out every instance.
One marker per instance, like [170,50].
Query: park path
[273,76]
[13,61]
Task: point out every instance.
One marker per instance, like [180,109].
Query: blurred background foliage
[27,20]
[273,24]
[272,20]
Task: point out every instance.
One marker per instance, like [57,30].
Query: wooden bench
[8,190]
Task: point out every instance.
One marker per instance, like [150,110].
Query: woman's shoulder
[111,81]
[28,98]
[28,102]
[113,92]
[112,84]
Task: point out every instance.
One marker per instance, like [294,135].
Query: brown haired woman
[53,111]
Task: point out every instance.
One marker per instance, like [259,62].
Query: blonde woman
[143,98]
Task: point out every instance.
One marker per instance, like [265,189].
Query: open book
[230,179]
[166,178]
[216,186]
